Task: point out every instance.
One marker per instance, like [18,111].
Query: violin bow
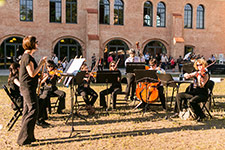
[93,69]
[117,63]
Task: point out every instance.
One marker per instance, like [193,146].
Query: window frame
[159,12]
[117,6]
[26,11]
[150,10]
[107,22]
[198,19]
[71,11]
[186,19]
[56,1]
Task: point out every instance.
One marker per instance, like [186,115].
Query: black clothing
[15,92]
[28,87]
[85,90]
[115,88]
[100,65]
[24,77]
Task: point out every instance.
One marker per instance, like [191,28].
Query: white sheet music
[73,68]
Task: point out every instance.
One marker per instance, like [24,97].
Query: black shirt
[25,79]
[14,89]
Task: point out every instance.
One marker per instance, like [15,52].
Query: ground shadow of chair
[18,110]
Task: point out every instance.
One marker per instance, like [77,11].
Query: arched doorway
[10,50]
[155,47]
[68,48]
[117,49]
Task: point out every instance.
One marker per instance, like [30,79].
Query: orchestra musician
[131,76]
[49,88]
[85,90]
[198,92]
[28,77]
[153,66]
[14,84]
[114,88]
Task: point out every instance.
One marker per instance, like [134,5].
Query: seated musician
[131,76]
[199,92]
[114,88]
[49,88]
[153,66]
[14,84]
[85,90]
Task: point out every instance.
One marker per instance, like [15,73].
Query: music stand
[131,66]
[74,77]
[146,76]
[107,77]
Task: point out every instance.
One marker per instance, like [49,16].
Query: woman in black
[14,84]
[28,83]
[199,90]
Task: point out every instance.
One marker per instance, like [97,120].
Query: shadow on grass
[211,124]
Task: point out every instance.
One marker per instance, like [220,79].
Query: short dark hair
[51,62]
[29,42]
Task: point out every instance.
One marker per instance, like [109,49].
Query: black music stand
[107,77]
[76,80]
[147,76]
[131,66]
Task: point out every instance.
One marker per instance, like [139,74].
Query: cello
[148,92]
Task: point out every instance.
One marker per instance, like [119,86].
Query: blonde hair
[200,61]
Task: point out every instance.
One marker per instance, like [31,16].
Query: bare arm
[17,82]
[189,75]
[30,67]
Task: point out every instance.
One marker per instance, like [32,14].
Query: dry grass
[124,128]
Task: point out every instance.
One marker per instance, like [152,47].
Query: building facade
[72,28]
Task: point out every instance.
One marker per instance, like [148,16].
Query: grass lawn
[124,128]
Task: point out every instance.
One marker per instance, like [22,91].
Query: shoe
[59,112]
[34,140]
[42,123]
[176,115]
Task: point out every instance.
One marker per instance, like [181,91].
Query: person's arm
[17,82]
[45,77]
[189,75]
[30,67]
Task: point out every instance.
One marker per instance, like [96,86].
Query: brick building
[83,27]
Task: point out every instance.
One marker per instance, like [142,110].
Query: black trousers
[29,117]
[85,92]
[105,92]
[47,93]
[162,96]
[194,100]
[130,84]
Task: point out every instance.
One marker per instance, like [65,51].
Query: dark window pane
[200,17]
[188,16]
[118,12]
[26,10]
[55,10]
[71,11]
[104,10]
[161,15]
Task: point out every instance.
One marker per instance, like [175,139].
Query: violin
[56,72]
[114,68]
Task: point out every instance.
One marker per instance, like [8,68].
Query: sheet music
[73,69]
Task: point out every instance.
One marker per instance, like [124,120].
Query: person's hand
[186,75]
[43,60]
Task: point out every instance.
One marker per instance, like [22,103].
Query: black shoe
[42,123]
[34,140]
[59,112]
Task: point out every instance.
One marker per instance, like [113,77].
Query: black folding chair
[18,111]
[207,104]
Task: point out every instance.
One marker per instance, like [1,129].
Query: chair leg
[207,110]
[15,118]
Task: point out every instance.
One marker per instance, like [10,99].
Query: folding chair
[207,104]
[18,110]
[54,104]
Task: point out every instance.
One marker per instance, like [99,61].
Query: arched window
[188,16]
[116,49]
[200,17]
[11,49]
[71,11]
[55,11]
[161,15]
[68,48]
[155,47]
[104,10]
[26,10]
[148,13]
[118,12]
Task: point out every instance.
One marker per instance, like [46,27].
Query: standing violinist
[85,90]
[153,66]
[198,92]
[131,76]
[49,80]
[115,88]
